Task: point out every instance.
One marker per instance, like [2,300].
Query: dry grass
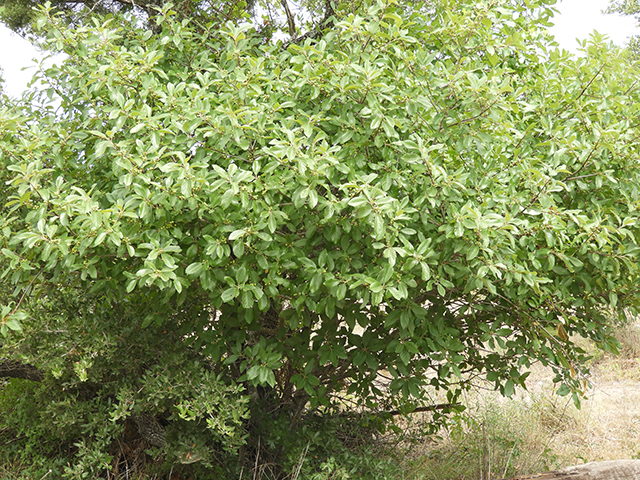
[538,431]
[495,438]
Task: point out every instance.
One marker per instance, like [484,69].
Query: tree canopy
[628,7]
[206,233]
[20,15]
[303,17]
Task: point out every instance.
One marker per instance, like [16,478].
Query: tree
[309,16]
[624,7]
[421,197]
[627,7]
[21,15]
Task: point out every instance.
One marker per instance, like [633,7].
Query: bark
[150,429]
[291,22]
[609,470]
[16,369]
[316,32]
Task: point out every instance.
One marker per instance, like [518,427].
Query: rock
[609,470]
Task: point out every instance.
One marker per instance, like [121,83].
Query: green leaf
[13,323]
[131,285]
[241,275]
[229,294]
[509,388]
[315,283]
[564,390]
[195,269]
[237,234]
[137,128]
[247,299]
[473,252]
[378,227]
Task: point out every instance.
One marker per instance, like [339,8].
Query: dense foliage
[303,17]
[20,15]
[233,239]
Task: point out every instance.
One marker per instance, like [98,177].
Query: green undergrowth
[493,438]
[36,445]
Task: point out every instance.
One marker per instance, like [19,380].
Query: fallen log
[609,470]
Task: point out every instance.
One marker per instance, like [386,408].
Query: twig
[255,467]
[26,290]
[302,457]
[506,467]
[582,92]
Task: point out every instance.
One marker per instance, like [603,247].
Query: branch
[16,369]
[429,408]
[582,92]
[291,21]
[327,22]
[586,160]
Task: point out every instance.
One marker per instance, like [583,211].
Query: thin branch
[291,21]
[586,160]
[327,22]
[428,408]
[583,90]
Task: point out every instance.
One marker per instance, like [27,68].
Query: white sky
[577,19]
[15,53]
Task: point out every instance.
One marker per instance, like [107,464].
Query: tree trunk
[610,470]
